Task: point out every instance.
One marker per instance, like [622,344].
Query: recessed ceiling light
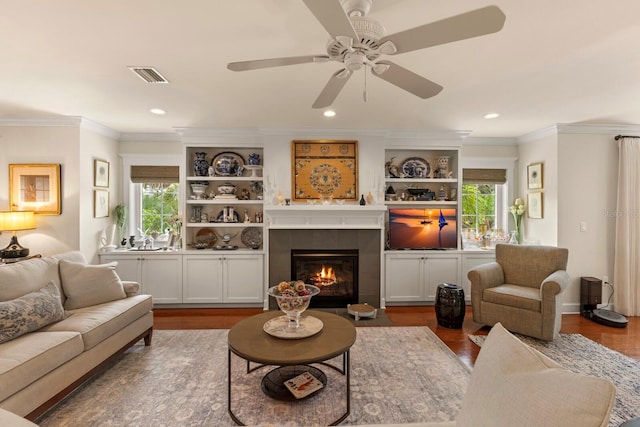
[158,111]
[491,115]
[329,113]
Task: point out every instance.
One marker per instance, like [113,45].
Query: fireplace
[334,271]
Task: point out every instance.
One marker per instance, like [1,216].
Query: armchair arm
[482,277]
[555,283]
[486,276]
[131,288]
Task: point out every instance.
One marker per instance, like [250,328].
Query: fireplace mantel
[318,216]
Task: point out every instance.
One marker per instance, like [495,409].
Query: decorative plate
[227,163]
[416,167]
[277,327]
[251,237]
[206,235]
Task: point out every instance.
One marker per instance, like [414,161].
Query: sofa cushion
[22,277]
[31,356]
[99,322]
[514,296]
[30,312]
[515,385]
[85,285]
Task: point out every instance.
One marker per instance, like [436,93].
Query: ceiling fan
[359,41]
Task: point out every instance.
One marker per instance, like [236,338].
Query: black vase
[200,165]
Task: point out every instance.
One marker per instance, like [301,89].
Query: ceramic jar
[226,188]
[200,164]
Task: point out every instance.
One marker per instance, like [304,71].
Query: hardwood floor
[625,340]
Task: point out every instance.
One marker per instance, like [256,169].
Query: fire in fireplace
[334,271]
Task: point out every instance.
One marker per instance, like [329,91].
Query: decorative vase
[443,166]
[254,159]
[513,239]
[200,165]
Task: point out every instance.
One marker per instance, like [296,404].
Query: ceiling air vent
[149,74]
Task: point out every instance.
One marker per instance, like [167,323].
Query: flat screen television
[413,228]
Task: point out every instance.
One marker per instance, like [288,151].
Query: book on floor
[303,385]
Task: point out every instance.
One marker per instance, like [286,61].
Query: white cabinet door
[403,277]
[159,275]
[243,278]
[162,278]
[128,268]
[202,279]
[440,269]
[469,261]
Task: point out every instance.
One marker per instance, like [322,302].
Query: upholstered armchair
[522,289]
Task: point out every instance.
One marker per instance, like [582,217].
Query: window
[483,199]
[479,206]
[159,202]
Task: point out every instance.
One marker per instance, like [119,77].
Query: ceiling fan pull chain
[364,94]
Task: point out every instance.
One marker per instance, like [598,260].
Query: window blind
[484,176]
[159,174]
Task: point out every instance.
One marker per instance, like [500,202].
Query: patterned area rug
[398,375]
[579,354]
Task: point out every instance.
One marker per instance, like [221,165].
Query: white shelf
[225,224]
[420,180]
[224,202]
[423,203]
[224,178]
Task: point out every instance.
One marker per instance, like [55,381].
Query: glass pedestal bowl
[292,303]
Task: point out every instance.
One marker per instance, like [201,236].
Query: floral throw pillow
[30,312]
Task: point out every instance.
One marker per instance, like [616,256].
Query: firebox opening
[334,271]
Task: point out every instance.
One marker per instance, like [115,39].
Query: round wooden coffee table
[249,341]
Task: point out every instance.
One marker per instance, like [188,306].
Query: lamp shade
[17,220]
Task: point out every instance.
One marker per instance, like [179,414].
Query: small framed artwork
[100,173]
[534,204]
[100,203]
[35,187]
[534,176]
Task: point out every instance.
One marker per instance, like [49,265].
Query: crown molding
[44,121]
[489,141]
[149,137]
[602,129]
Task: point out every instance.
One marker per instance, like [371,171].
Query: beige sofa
[61,320]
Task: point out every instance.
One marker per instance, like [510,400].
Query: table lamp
[16,221]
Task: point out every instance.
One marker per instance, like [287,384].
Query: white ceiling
[555,61]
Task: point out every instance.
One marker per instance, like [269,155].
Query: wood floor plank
[624,340]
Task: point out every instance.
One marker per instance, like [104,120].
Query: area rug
[580,354]
[398,375]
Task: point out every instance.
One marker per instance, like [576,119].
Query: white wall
[94,146]
[44,144]
[543,150]
[67,144]
[587,192]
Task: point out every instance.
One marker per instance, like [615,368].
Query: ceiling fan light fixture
[489,116]
[329,113]
[158,111]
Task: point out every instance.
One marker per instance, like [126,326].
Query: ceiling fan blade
[275,62]
[332,89]
[408,80]
[475,23]
[332,17]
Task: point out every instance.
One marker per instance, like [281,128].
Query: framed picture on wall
[35,187]
[100,173]
[325,169]
[534,176]
[534,204]
[100,203]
